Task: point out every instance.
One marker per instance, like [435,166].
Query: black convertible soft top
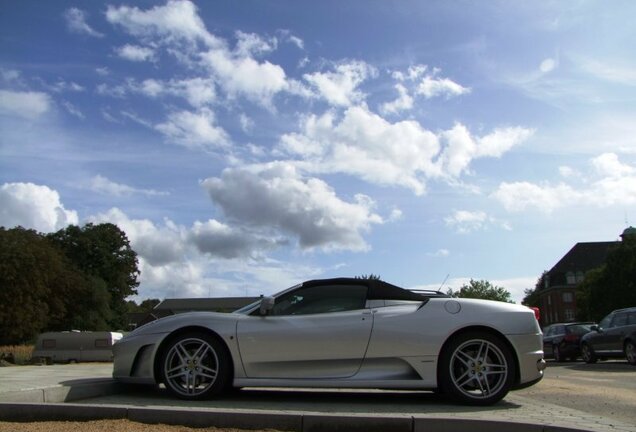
[378,289]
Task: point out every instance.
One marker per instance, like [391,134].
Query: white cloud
[73,110]
[440,253]
[464,221]
[223,241]
[29,105]
[403,102]
[244,76]
[615,184]
[277,197]
[136,53]
[76,23]
[174,22]
[462,148]
[402,153]
[340,87]
[431,87]
[197,91]
[251,44]
[33,206]
[547,65]
[247,124]
[195,130]
[105,186]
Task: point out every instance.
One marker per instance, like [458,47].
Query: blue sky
[247,146]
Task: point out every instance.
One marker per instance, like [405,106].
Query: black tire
[558,357]
[588,354]
[630,352]
[195,365]
[476,368]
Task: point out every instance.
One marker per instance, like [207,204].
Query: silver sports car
[346,333]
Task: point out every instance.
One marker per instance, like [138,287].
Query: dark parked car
[613,337]
[562,341]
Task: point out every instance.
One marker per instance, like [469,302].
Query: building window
[549,300]
[568,297]
[570,278]
[580,276]
[569,315]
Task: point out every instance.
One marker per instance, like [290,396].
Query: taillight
[537,313]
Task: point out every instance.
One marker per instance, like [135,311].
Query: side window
[549,331]
[321,299]
[631,318]
[619,320]
[605,322]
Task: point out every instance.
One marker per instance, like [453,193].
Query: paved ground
[598,397]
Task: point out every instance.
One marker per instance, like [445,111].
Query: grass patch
[16,354]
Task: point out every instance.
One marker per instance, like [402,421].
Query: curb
[85,390]
[243,419]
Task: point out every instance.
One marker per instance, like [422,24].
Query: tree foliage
[103,252]
[531,295]
[611,286]
[482,289]
[77,278]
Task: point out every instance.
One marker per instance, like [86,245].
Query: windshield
[250,307]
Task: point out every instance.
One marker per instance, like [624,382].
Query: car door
[312,332]
[613,338]
[547,340]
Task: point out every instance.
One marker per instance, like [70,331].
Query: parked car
[562,341]
[341,333]
[613,337]
[75,346]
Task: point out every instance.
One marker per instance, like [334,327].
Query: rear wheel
[630,352]
[476,368]
[588,354]
[195,365]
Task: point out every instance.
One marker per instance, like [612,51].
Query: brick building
[557,296]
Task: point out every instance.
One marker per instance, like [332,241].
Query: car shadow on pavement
[603,366]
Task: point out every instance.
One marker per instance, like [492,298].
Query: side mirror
[595,328]
[267,304]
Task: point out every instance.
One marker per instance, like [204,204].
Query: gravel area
[106,426]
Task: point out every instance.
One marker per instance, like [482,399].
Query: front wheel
[476,368]
[195,365]
[588,354]
[630,352]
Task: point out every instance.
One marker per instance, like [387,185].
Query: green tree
[531,295]
[103,252]
[482,289]
[611,286]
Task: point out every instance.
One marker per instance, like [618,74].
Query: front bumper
[134,358]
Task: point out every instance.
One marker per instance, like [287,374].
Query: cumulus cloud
[403,154]
[76,23]
[241,75]
[176,21]
[105,186]
[33,206]
[29,105]
[461,147]
[223,241]
[340,86]
[276,196]
[614,184]
[431,87]
[403,102]
[136,53]
[194,130]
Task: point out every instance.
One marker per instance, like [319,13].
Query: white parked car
[344,333]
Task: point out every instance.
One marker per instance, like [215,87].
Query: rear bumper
[529,350]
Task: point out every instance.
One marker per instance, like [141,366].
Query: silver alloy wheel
[630,353]
[191,366]
[478,369]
